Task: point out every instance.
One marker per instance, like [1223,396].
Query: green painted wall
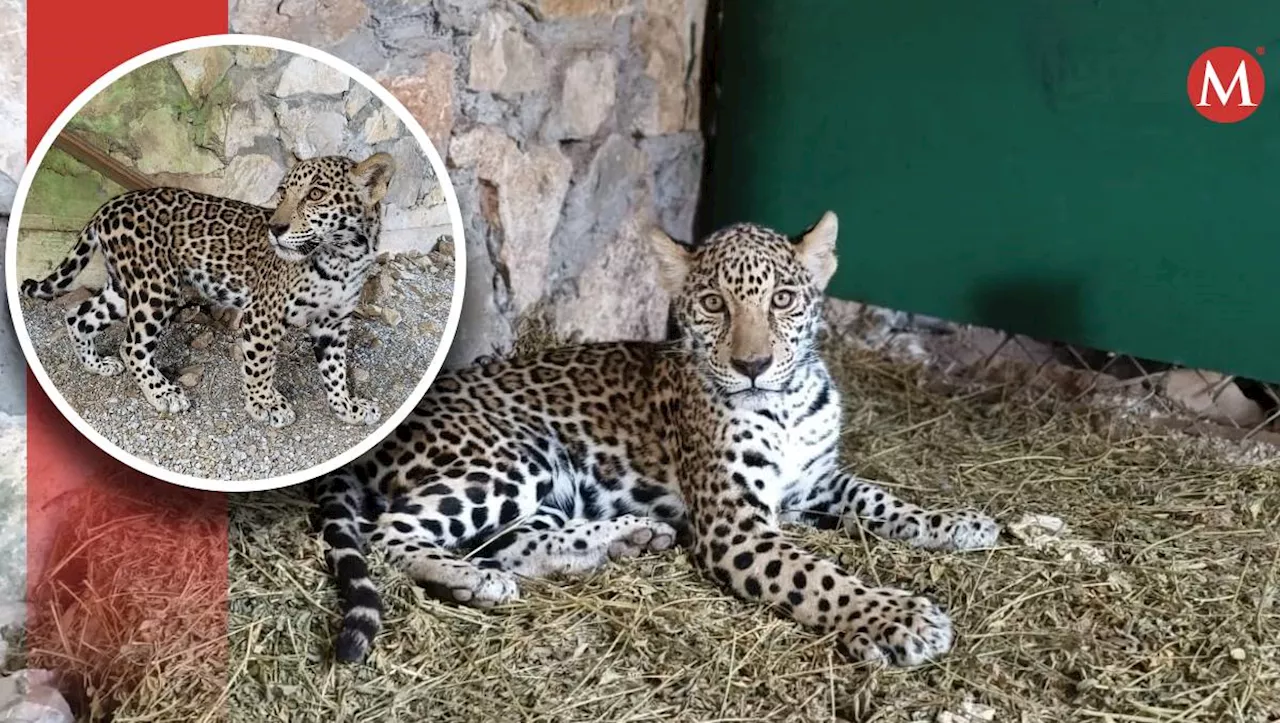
[66,188]
[1029,165]
[66,192]
[146,118]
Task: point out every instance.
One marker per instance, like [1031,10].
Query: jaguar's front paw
[354,410]
[167,399]
[895,628]
[274,410]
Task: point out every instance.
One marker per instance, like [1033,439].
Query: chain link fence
[1169,396]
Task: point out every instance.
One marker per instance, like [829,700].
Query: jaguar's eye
[783,299]
[315,194]
[713,303]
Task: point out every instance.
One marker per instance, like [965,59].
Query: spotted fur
[302,263]
[557,462]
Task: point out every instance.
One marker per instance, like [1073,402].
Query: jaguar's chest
[788,446]
[323,290]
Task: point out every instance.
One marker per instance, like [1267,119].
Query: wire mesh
[1198,401]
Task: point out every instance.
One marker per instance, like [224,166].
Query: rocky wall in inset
[230,121]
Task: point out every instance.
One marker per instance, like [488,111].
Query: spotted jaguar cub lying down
[557,462]
[301,264]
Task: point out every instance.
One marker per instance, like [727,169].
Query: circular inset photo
[235,263]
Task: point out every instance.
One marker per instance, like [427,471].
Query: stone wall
[13,398]
[569,126]
[13,98]
[228,121]
[13,157]
[13,367]
[13,544]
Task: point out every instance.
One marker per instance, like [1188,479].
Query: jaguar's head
[328,200]
[748,302]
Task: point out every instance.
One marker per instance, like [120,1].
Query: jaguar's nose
[752,368]
[278,229]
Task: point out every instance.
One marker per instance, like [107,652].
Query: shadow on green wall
[1047,305]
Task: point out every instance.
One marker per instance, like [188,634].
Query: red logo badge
[1226,84]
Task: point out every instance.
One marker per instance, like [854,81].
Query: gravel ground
[394,338]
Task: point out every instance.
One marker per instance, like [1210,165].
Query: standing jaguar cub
[559,461]
[302,263]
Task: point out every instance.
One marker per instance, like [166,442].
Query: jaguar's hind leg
[421,529]
[450,578]
[419,548]
[551,543]
[87,320]
[150,308]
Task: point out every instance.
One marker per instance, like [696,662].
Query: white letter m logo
[1241,78]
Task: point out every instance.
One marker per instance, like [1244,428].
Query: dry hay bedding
[1176,624]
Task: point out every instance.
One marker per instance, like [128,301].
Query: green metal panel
[1030,165]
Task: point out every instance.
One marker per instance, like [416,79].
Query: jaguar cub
[557,462]
[302,263]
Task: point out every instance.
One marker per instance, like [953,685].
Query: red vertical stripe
[71,43]
[98,532]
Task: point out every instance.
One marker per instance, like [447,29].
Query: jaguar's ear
[673,260]
[817,249]
[374,175]
[277,196]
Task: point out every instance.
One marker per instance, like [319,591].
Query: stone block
[484,327]
[13,94]
[252,178]
[617,295]
[382,125]
[503,60]
[587,96]
[304,75]
[555,9]
[311,130]
[320,23]
[165,145]
[675,171]
[252,56]
[429,97]
[601,199]
[248,122]
[663,35]
[531,187]
[202,69]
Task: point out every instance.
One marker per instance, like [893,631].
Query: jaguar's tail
[340,497]
[56,283]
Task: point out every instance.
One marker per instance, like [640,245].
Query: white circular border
[164,51]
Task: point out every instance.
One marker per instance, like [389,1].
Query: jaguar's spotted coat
[556,462]
[302,263]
